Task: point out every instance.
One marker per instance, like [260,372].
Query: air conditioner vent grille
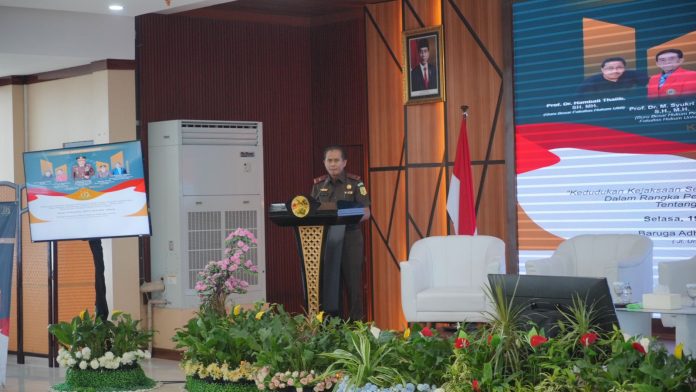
[219,133]
[206,236]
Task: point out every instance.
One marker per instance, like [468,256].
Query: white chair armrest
[540,267]
[416,276]
[631,261]
[495,266]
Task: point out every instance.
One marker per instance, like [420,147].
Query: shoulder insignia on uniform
[320,178]
[353,176]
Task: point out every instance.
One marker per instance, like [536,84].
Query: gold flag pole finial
[465,110]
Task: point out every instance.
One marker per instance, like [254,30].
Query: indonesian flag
[460,201]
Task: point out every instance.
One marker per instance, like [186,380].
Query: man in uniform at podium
[339,185]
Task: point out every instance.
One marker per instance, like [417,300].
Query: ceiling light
[116,7]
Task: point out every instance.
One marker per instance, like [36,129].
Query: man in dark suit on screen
[424,75]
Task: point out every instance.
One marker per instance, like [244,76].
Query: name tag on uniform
[324,190]
[349,192]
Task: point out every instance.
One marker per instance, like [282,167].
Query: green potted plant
[291,351]
[219,349]
[509,355]
[102,355]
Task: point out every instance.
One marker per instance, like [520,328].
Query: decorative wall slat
[432,132]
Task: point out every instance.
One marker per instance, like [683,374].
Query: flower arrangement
[221,278]
[509,355]
[102,354]
[219,348]
[290,348]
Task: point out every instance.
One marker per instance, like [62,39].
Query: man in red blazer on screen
[674,80]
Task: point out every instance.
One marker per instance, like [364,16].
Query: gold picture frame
[423,65]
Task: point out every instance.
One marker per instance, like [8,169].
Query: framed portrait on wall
[424,68]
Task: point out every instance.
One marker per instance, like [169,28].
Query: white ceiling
[130,7]
[46,35]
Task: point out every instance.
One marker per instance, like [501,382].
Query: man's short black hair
[675,51]
[423,43]
[610,59]
[81,157]
[336,147]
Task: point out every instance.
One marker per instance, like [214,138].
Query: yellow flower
[679,351]
[237,309]
[407,333]
[259,315]
[82,314]
[320,316]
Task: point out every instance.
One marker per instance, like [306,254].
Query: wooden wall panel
[386,123]
[425,133]
[472,77]
[388,245]
[473,74]
[338,59]
[75,279]
[426,201]
[35,291]
[198,68]
[383,49]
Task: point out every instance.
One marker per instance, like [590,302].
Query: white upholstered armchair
[675,275]
[618,257]
[444,277]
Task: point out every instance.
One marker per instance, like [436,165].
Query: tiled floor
[36,376]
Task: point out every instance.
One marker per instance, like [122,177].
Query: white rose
[94,364]
[109,355]
[71,362]
[147,354]
[83,365]
[86,352]
[78,355]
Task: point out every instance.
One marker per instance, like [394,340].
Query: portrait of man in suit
[424,75]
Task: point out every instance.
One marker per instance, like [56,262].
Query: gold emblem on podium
[299,206]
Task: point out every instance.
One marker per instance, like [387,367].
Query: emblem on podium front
[299,206]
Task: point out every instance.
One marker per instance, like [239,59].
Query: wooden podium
[319,230]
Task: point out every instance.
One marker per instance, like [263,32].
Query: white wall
[11,133]
[98,107]
[42,40]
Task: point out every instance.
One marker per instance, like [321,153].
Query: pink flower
[588,339]
[537,340]
[638,347]
[461,343]
[427,332]
[240,244]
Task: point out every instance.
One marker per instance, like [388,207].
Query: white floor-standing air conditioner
[205,180]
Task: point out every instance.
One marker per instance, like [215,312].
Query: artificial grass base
[130,379]
[195,384]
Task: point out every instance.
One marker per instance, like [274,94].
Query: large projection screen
[86,192]
[603,145]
